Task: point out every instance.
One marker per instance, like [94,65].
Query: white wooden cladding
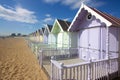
[85,71]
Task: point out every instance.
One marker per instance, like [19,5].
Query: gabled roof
[103,17]
[40,31]
[49,27]
[43,30]
[64,24]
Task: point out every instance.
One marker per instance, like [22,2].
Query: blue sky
[26,16]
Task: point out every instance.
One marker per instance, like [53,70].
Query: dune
[17,62]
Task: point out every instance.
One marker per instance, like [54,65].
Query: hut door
[83,44]
[45,39]
[89,43]
[60,40]
[94,43]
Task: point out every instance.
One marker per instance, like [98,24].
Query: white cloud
[19,14]
[66,19]
[51,1]
[48,19]
[74,4]
[47,15]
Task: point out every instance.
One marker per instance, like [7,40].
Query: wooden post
[107,43]
[41,57]
[89,70]
[51,71]
[61,71]
[107,49]
[101,42]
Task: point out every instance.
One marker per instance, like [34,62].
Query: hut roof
[43,30]
[49,27]
[64,24]
[115,21]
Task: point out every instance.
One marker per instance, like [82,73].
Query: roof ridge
[63,24]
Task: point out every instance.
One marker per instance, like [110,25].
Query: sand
[17,62]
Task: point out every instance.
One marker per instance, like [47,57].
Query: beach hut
[52,37]
[98,34]
[43,29]
[40,35]
[37,36]
[35,33]
[60,36]
[47,32]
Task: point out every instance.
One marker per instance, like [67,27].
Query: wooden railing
[57,53]
[92,70]
[101,69]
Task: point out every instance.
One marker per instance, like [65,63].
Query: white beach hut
[47,32]
[98,34]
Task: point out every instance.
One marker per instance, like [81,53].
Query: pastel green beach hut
[47,32]
[52,38]
[59,34]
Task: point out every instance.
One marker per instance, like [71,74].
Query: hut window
[89,16]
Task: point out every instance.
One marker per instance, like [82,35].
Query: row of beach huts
[87,48]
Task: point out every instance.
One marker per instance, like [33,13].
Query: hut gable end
[91,17]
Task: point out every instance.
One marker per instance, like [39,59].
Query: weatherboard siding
[45,39]
[114,41]
[52,40]
[73,39]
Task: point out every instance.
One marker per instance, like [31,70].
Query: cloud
[18,14]
[75,4]
[51,1]
[48,19]
[47,15]
[66,19]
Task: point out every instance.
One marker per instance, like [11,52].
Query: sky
[27,16]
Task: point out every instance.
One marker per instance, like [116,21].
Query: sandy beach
[17,62]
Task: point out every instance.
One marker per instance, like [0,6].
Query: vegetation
[17,35]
